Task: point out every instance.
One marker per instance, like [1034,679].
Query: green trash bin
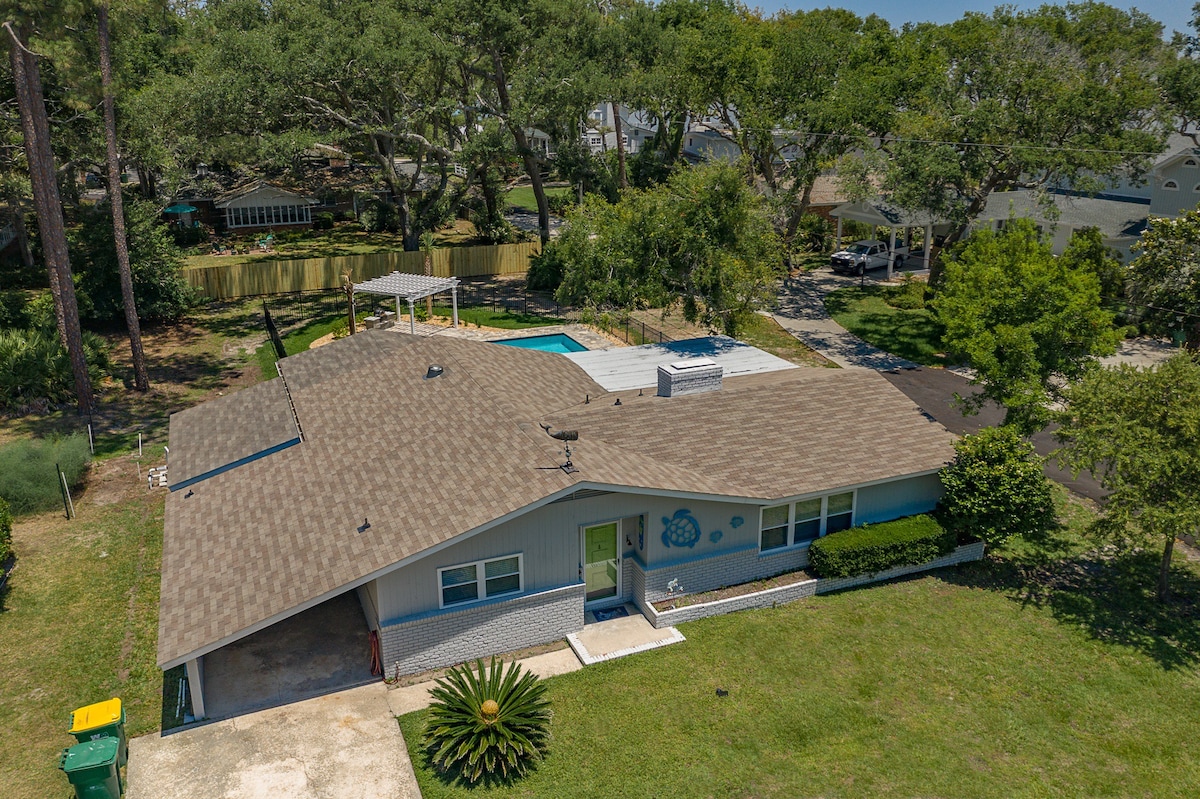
[102,720]
[92,769]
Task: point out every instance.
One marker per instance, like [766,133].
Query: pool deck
[584,335]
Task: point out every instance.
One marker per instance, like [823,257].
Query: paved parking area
[344,745]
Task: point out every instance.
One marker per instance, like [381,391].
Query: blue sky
[1174,14]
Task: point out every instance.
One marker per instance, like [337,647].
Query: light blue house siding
[702,544]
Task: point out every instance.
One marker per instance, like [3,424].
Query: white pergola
[411,288]
[881,213]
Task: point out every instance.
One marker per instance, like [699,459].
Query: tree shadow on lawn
[911,334]
[1110,595]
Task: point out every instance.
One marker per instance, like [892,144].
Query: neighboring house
[262,205]
[705,143]
[1120,212]
[1121,223]
[441,502]
[1175,183]
[599,132]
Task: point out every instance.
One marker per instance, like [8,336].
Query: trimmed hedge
[875,547]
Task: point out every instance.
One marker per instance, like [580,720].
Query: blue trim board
[239,462]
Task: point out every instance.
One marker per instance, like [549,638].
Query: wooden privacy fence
[223,282]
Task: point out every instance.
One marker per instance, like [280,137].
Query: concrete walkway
[802,313]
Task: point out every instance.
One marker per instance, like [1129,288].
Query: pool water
[556,342]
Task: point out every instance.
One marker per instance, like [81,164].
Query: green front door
[601,565]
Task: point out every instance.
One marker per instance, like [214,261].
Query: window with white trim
[1171,185]
[801,522]
[252,216]
[483,579]
[1190,162]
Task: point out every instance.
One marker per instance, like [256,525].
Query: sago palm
[493,722]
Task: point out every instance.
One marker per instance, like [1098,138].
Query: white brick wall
[790,593]
[719,571]
[444,639]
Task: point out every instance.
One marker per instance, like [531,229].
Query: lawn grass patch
[766,334]
[78,624]
[295,342]
[522,196]
[483,316]
[914,334]
[1000,678]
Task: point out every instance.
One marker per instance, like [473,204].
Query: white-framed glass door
[601,562]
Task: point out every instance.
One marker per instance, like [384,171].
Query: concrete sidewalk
[802,313]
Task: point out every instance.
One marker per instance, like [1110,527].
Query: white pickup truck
[863,255]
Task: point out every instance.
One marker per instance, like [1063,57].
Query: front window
[805,520]
[775,527]
[483,579]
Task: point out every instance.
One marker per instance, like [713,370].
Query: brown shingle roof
[224,431]
[427,460]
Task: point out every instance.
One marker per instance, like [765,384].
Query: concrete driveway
[344,745]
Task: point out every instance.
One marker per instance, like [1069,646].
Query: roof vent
[434,371]
[694,376]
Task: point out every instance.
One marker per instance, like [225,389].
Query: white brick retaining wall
[790,593]
[718,571]
[443,639]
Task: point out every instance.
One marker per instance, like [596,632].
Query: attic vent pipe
[434,371]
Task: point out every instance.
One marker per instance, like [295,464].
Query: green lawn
[522,196]
[79,624]
[865,312]
[483,316]
[766,334]
[1027,676]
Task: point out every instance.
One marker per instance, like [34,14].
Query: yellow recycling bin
[102,720]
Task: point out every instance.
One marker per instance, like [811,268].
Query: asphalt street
[934,390]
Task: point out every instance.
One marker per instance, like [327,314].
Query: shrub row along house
[437,495]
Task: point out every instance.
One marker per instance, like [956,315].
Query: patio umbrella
[180,209]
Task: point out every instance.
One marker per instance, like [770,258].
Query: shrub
[995,488]
[324,221]
[875,547]
[34,367]
[5,532]
[28,480]
[909,295]
[492,723]
[546,269]
[13,312]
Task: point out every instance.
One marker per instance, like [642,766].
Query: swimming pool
[555,342]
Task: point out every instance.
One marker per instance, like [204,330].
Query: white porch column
[891,252]
[412,318]
[398,311]
[454,303]
[928,245]
[838,242]
[195,678]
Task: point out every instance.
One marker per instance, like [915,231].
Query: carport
[881,213]
[317,651]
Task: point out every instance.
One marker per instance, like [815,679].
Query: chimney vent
[694,376]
